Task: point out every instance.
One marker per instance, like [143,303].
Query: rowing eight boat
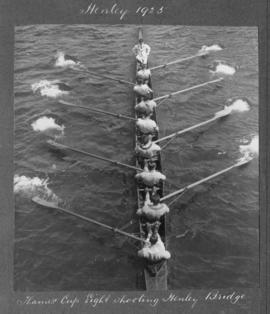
[155,273]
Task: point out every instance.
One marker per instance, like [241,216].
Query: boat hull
[154,273]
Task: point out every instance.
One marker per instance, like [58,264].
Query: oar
[52,205]
[104,76]
[190,186]
[122,116]
[188,89]
[62,146]
[199,54]
[220,114]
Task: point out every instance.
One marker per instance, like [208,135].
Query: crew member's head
[155,199]
[146,139]
[151,166]
[153,239]
[143,66]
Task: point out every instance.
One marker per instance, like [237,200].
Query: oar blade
[44,203]
[56,145]
[61,101]
[223,113]
[67,103]
[243,161]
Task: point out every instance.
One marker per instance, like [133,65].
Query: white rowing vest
[156,252]
[148,151]
[151,104]
[150,178]
[142,90]
[153,212]
[141,52]
[144,74]
[146,107]
[146,125]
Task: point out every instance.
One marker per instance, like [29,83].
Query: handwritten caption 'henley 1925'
[116,10]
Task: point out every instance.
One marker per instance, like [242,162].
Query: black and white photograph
[136,157]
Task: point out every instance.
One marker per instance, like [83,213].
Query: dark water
[58,252]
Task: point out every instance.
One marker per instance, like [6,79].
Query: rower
[147,149]
[141,51]
[152,228]
[146,107]
[144,74]
[150,177]
[143,90]
[153,210]
[146,125]
[154,250]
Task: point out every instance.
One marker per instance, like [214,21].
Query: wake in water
[52,89]
[63,60]
[220,67]
[238,105]
[212,48]
[251,149]
[49,126]
[30,187]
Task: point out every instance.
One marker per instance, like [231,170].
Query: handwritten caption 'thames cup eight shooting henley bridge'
[97,300]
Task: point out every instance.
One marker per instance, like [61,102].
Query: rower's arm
[147,199]
[165,208]
[163,177]
[137,149]
[157,148]
[146,166]
[148,49]
[135,50]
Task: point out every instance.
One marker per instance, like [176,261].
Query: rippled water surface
[58,252]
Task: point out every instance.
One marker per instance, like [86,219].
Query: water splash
[52,89]
[220,67]
[65,61]
[222,153]
[252,148]
[211,48]
[239,105]
[48,124]
[244,141]
[31,187]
